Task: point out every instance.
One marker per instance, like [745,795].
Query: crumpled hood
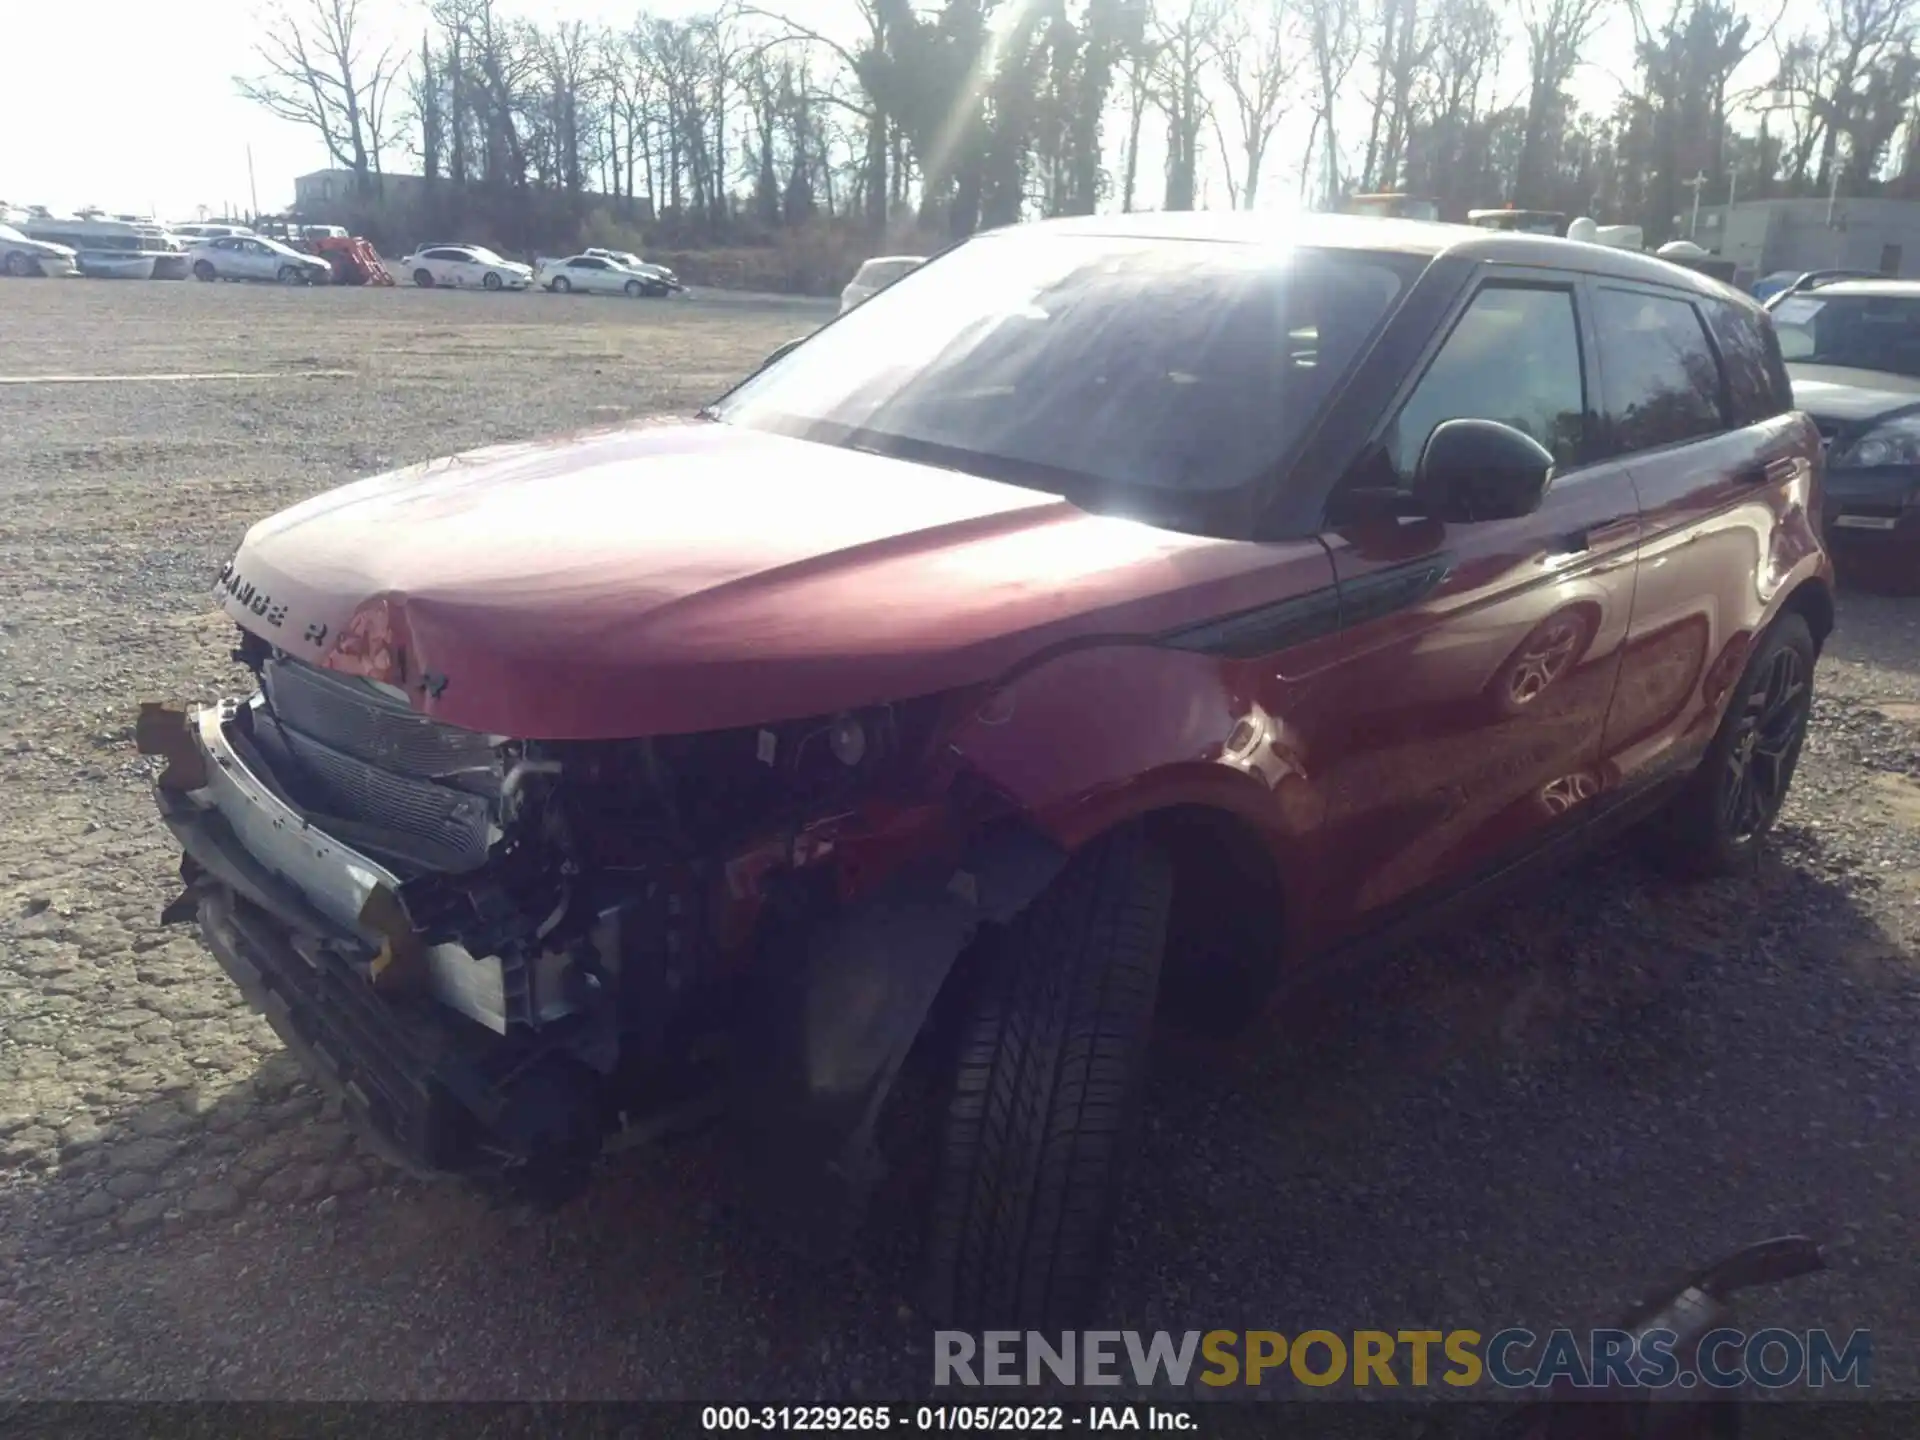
[667,578]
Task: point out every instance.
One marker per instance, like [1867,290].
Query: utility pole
[252,190]
[1696,184]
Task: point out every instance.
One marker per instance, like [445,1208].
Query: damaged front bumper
[308,927]
[451,1059]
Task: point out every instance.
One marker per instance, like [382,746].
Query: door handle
[1575,542]
[1754,475]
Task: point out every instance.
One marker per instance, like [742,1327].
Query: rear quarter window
[1662,377]
[1757,384]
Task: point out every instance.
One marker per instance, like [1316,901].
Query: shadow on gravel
[1524,1121]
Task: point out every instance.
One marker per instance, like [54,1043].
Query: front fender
[1097,737]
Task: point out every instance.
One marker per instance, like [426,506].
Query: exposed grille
[374,773]
[368,724]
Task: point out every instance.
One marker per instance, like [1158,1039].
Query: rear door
[1459,715]
[1719,464]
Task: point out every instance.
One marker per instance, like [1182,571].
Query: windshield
[484,255]
[7,232]
[1047,360]
[1866,332]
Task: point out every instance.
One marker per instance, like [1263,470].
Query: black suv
[1852,348]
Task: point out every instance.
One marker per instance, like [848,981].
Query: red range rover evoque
[1114,615]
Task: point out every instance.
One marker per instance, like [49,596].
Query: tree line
[958,115]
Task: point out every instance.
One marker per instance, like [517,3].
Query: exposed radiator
[381,777]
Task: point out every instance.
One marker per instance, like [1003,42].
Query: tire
[1718,821]
[1044,1091]
[561,285]
[20,265]
[290,275]
[203,270]
[635,289]
[423,278]
[492,281]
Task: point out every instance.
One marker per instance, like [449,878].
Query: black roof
[1426,238]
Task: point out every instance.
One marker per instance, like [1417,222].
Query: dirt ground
[1523,1122]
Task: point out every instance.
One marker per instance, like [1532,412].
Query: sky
[135,109]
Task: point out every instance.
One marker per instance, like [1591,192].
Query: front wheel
[20,265]
[423,278]
[634,289]
[1718,821]
[492,282]
[203,270]
[1044,1090]
[561,285]
[291,275]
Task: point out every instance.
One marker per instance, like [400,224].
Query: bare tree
[1186,44]
[1333,46]
[316,74]
[1253,52]
[1557,32]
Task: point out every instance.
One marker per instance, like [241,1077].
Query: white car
[196,231]
[465,267]
[875,276]
[597,275]
[254,257]
[633,262]
[20,256]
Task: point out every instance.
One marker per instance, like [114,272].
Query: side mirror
[782,351]
[1481,470]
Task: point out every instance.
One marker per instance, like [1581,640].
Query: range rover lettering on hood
[605,586]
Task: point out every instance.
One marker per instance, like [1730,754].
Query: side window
[1514,357]
[1757,384]
[1662,380]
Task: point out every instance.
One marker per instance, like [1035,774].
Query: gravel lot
[1523,1123]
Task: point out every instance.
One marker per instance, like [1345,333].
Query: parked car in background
[254,257]
[464,267]
[660,273]
[21,256]
[595,275]
[108,249]
[195,231]
[875,275]
[1853,349]
[1053,638]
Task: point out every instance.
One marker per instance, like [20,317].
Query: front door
[1457,714]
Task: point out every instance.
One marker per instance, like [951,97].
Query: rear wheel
[1718,821]
[423,278]
[492,282]
[203,270]
[1044,1091]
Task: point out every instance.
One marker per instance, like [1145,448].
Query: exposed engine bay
[501,952]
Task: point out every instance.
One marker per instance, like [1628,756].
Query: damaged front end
[500,953]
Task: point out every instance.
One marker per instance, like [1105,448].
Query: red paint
[676,578]
[680,578]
